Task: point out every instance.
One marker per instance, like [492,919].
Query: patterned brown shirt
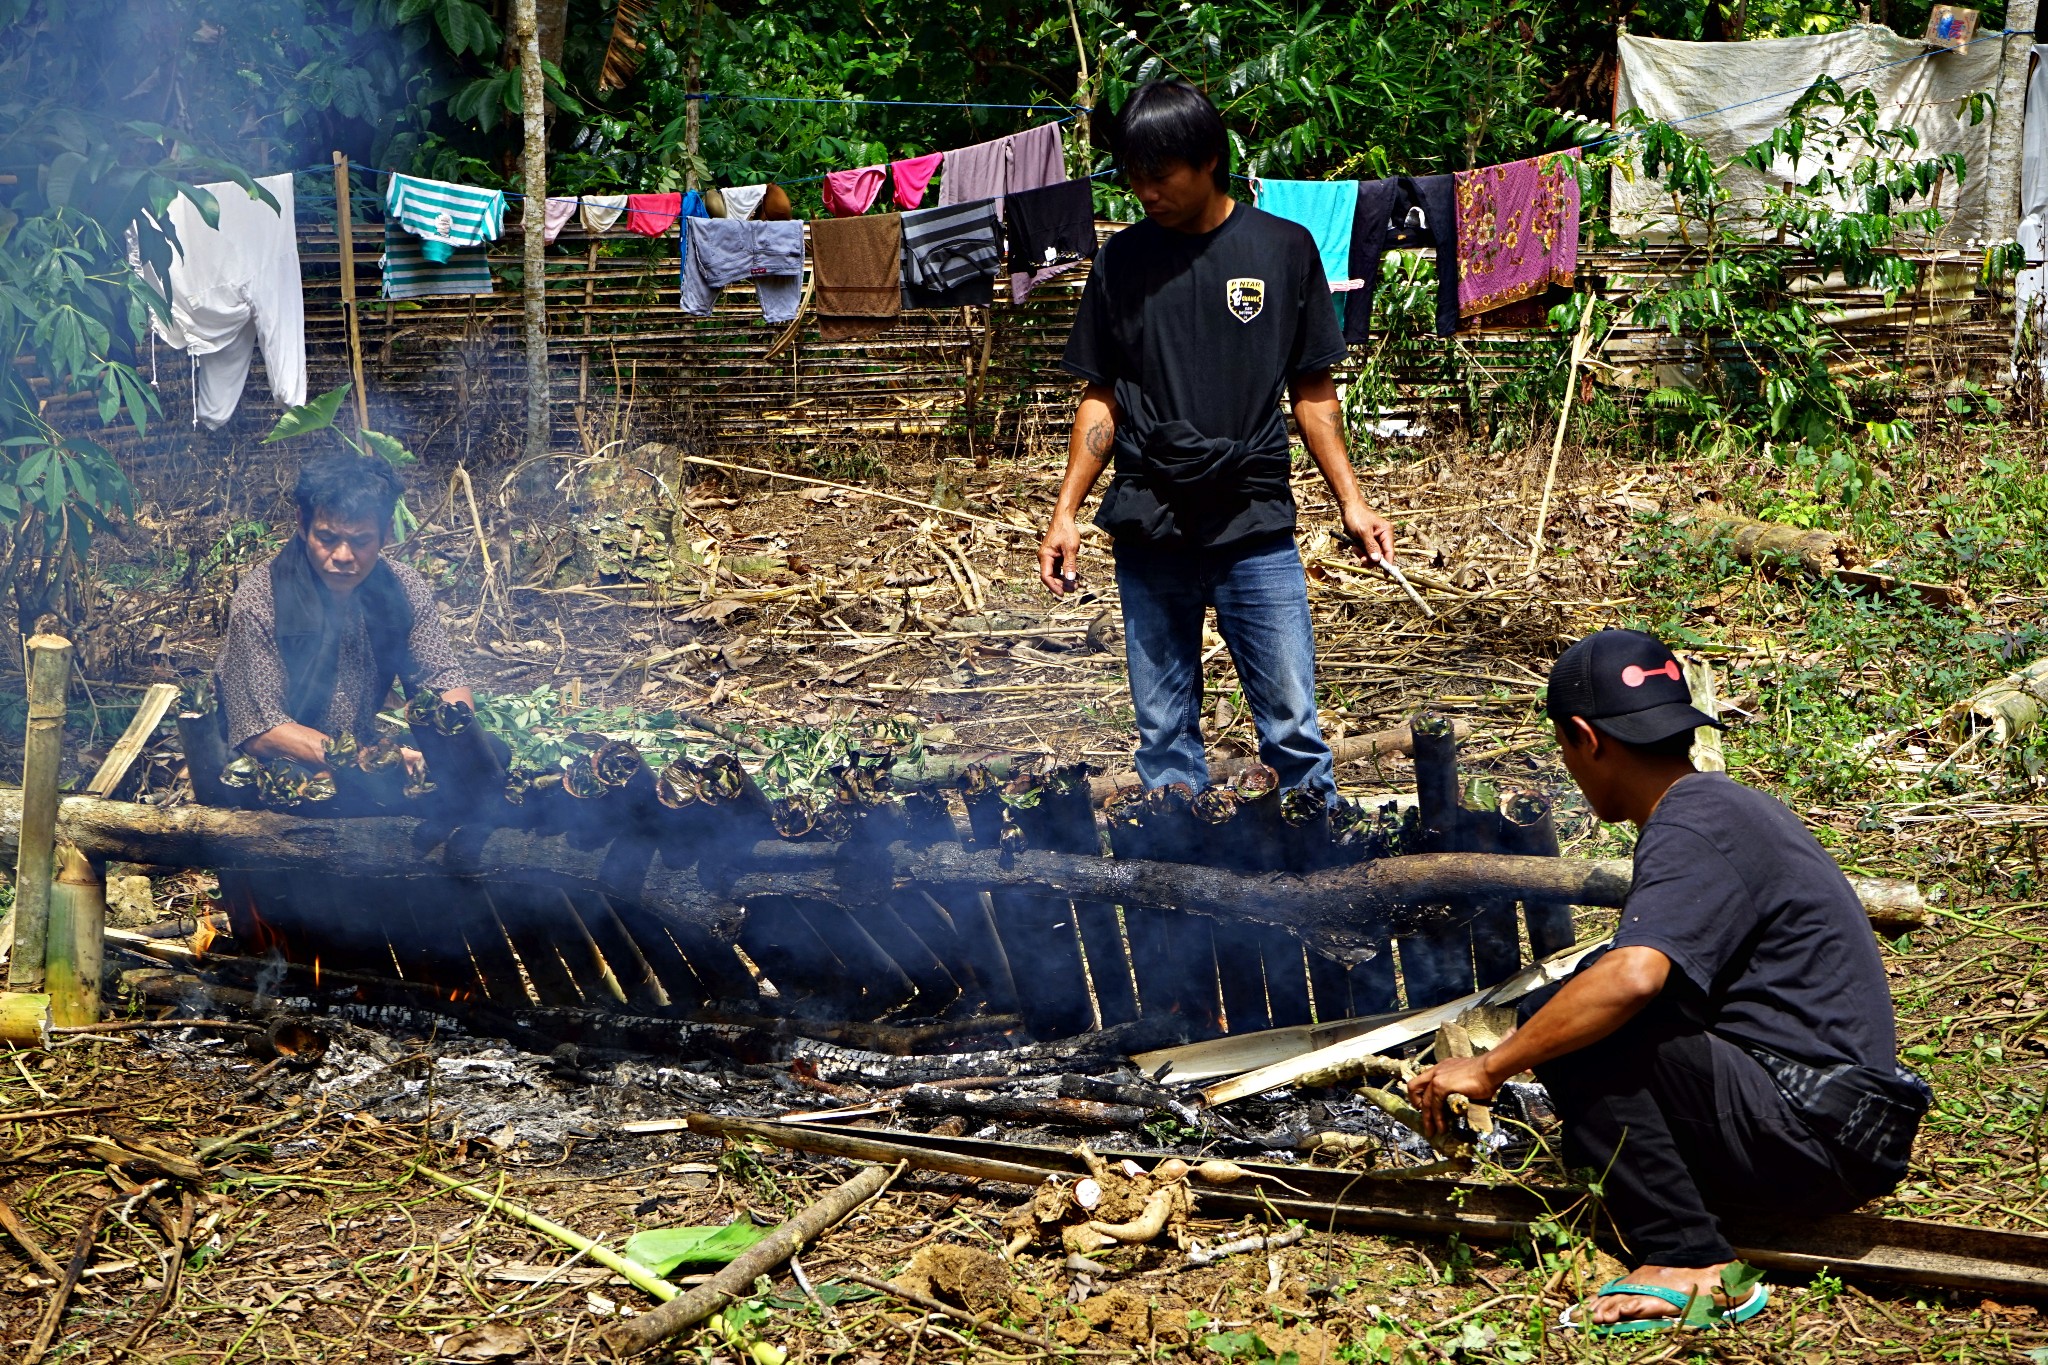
[251,671]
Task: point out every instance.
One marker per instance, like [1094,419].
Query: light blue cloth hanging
[1325,208]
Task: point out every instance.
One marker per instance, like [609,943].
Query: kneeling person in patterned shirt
[318,637]
[1735,1047]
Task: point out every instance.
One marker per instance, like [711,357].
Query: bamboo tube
[24,1019]
[78,919]
[49,680]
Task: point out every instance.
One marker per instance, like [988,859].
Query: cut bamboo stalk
[1415,1024]
[1707,753]
[49,681]
[114,770]
[24,1019]
[78,920]
[1437,966]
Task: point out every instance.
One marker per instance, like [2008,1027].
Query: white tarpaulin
[2031,287]
[1674,81]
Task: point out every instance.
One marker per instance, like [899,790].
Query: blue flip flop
[1759,1298]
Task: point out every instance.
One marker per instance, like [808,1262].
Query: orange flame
[203,936]
[316,973]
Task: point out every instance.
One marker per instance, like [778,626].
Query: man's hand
[1059,557]
[1373,532]
[415,762]
[1428,1092]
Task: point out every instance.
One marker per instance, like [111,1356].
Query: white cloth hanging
[234,288]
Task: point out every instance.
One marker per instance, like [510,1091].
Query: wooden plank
[155,702]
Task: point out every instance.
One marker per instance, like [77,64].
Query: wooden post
[148,716]
[78,920]
[49,681]
[344,231]
[533,101]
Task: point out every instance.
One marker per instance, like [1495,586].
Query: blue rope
[895,104]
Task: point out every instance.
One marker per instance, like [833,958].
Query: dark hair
[1168,121]
[352,487]
[1678,745]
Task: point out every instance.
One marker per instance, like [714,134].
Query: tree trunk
[533,288]
[1340,913]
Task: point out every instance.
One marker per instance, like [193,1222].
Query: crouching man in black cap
[1735,1047]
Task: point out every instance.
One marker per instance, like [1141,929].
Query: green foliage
[1764,354]
[319,414]
[663,1249]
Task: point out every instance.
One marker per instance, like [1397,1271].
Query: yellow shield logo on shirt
[1245,296]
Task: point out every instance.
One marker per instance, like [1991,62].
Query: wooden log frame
[1341,913]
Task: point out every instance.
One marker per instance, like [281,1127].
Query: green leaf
[1738,1278]
[390,447]
[317,415]
[663,1249]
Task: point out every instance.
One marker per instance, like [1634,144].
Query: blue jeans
[1261,599]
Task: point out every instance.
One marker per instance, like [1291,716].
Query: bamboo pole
[49,681]
[1564,417]
[533,287]
[78,921]
[344,231]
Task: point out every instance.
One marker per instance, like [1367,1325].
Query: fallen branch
[1821,553]
[60,1298]
[680,1314]
[11,1224]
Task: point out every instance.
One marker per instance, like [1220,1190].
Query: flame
[316,972]
[204,935]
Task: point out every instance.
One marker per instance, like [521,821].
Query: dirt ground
[751,609]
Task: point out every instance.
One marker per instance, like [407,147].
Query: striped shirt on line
[408,274]
[444,216]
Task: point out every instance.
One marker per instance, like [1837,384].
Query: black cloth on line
[951,255]
[1403,211]
[1200,334]
[1050,227]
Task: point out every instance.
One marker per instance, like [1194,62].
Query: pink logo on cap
[1635,675]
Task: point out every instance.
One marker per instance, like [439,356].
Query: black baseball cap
[1627,685]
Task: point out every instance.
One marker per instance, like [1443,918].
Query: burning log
[1342,912]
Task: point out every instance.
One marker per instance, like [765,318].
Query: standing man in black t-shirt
[1735,1047]
[1193,324]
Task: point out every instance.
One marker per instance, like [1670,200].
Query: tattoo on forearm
[1096,439]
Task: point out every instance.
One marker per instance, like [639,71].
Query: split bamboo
[49,680]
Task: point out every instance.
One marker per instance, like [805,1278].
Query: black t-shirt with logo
[1204,330]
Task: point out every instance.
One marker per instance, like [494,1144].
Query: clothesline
[899,104]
